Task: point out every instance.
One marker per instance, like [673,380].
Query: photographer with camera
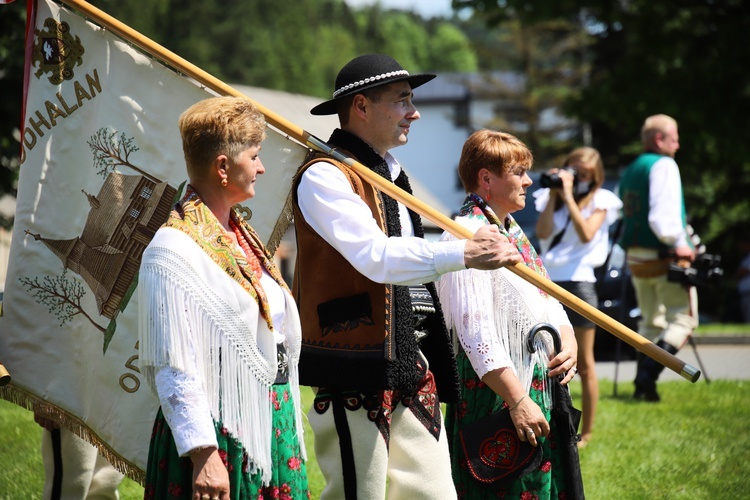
[655,235]
[573,229]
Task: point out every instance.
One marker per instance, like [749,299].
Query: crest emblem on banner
[57,51]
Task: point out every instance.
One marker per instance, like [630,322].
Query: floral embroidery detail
[539,385]
[174,489]
[380,406]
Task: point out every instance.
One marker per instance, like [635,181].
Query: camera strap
[559,235]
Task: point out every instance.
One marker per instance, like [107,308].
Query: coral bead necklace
[252,258]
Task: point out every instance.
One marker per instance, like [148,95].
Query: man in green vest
[655,234]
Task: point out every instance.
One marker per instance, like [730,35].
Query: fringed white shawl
[491,313]
[197,319]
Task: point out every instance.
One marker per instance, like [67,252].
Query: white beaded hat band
[366,72]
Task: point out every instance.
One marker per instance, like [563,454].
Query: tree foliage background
[607,64]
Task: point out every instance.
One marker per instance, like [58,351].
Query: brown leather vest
[349,331]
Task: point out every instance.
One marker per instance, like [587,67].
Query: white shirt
[341,218]
[571,259]
[665,203]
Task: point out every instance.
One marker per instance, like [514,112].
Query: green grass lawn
[729,329]
[695,444]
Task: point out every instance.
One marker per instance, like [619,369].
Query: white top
[208,352]
[341,218]
[571,259]
[182,398]
[491,314]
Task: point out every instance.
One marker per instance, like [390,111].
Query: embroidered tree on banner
[123,218]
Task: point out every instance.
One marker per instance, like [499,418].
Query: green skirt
[478,400]
[169,476]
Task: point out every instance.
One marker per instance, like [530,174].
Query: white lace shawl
[195,318]
[491,313]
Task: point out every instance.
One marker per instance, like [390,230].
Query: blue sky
[427,8]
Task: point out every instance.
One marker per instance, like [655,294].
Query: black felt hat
[366,72]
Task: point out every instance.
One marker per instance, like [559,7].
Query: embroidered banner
[102,164]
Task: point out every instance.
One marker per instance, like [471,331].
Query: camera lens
[548,180]
[552,181]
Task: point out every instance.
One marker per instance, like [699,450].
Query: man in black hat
[374,340]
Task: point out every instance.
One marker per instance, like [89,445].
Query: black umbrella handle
[547,328]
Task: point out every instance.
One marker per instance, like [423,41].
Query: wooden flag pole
[4,376]
[624,333]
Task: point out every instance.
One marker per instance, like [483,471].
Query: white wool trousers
[669,311]
[415,466]
[74,469]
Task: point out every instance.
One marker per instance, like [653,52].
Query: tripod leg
[700,363]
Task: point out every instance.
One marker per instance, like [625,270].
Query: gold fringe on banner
[64,419]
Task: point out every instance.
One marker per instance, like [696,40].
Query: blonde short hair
[219,125]
[493,150]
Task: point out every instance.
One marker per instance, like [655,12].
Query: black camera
[549,180]
[705,270]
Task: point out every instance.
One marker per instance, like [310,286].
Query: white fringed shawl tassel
[186,325]
[495,311]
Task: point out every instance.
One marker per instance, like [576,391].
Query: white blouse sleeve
[340,217]
[605,199]
[185,409]
[467,300]
[556,313]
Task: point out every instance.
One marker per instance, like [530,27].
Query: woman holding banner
[219,330]
[491,314]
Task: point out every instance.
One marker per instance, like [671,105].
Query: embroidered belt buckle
[421,306]
[282,373]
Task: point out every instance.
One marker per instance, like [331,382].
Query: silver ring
[529,431]
[575,369]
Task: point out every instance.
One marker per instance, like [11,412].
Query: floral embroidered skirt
[478,400]
[169,476]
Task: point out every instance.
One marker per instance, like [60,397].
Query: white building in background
[452,106]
